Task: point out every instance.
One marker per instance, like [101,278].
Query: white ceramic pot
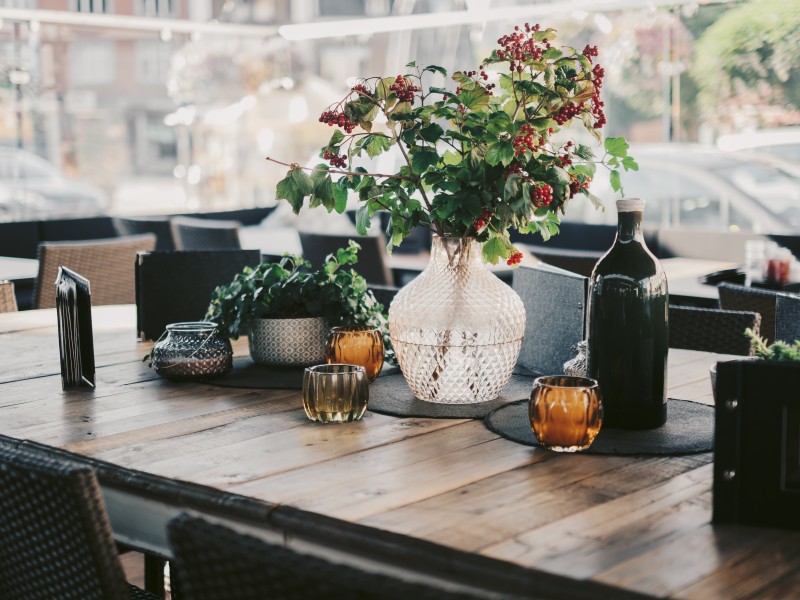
[288,342]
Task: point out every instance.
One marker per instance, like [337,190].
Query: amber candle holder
[361,346]
[335,393]
[566,412]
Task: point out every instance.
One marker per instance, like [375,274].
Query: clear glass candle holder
[335,393]
[566,412]
[361,346]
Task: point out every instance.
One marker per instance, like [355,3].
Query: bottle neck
[455,252]
[629,227]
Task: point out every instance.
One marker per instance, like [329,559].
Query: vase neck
[455,252]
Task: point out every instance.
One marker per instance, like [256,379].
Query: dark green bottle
[627,326]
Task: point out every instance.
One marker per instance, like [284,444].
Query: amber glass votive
[335,393]
[566,412]
[356,346]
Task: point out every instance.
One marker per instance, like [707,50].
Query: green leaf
[496,248]
[630,164]
[422,158]
[287,190]
[382,88]
[302,181]
[435,69]
[336,138]
[474,99]
[501,152]
[363,220]
[323,189]
[616,185]
[340,194]
[376,144]
[431,133]
[616,146]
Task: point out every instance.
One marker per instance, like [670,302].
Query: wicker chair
[190,233]
[711,329]
[158,226]
[787,317]
[108,264]
[371,258]
[55,538]
[213,562]
[762,301]
[8,300]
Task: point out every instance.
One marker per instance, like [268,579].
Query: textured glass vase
[456,329]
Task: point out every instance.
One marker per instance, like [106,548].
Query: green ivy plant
[476,161]
[778,350]
[290,288]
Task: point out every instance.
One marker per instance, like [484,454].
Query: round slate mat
[689,430]
[390,395]
[247,374]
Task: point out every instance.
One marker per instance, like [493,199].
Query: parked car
[35,188]
[693,186]
[781,142]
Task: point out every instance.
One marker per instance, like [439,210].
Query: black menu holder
[757,443]
[172,287]
[555,305]
[75,342]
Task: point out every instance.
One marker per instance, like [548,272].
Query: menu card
[75,342]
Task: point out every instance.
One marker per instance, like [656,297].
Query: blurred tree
[747,65]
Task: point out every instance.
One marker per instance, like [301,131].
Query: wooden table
[640,523]
[683,276]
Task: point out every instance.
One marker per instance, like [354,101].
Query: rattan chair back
[157,225]
[55,537]
[371,263]
[190,233]
[108,264]
[739,297]
[787,317]
[711,329]
[8,300]
[213,562]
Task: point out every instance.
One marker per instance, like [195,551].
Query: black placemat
[248,374]
[390,395]
[689,430]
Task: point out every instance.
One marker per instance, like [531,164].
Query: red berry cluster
[519,47]
[576,186]
[482,221]
[597,104]
[541,195]
[527,139]
[589,51]
[361,89]
[566,112]
[336,160]
[403,89]
[514,259]
[337,118]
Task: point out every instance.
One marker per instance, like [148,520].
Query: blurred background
[128,107]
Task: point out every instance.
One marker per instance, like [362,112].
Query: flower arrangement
[477,161]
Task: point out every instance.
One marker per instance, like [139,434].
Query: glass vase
[361,346]
[456,328]
[192,350]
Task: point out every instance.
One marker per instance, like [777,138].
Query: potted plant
[490,156]
[286,308]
